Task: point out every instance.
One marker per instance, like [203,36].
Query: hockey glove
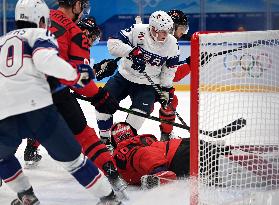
[105,68]
[155,180]
[103,102]
[167,96]
[138,61]
[85,73]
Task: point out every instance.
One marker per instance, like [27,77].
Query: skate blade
[31,164]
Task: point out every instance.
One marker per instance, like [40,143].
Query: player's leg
[117,86]
[86,136]
[180,163]
[31,154]
[10,168]
[168,114]
[143,98]
[59,141]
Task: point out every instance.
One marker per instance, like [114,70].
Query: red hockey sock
[168,114]
[93,148]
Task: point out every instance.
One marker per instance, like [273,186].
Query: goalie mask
[121,131]
[32,11]
[160,21]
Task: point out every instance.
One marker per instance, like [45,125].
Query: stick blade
[228,129]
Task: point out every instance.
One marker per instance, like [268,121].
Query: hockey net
[235,75]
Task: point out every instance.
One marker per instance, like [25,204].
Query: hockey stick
[228,129]
[139,114]
[159,92]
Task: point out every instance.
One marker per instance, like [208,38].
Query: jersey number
[11,57]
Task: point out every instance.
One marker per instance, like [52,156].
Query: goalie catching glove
[166,96]
[105,68]
[103,102]
[138,60]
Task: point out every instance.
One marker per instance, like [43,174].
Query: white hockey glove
[85,74]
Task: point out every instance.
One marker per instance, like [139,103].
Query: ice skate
[26,198]
[118,184]
[31,156]
[111,199]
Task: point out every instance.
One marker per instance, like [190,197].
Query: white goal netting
[239,78]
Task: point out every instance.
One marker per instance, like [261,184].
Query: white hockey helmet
[161,21]
[32,11]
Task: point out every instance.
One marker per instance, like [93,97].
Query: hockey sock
[12,175]
[89,176]
[134,120]
[94,149]
[104,122]
[168,114]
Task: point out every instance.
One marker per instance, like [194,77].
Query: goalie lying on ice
[143,157]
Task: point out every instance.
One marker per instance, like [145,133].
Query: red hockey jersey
[73,45]
[140,155]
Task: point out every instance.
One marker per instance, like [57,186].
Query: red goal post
[235,75]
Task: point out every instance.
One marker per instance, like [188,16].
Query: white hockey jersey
[26,55]
[161,58]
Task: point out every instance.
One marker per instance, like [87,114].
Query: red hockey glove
[103,102]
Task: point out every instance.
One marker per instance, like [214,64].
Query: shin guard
[93,148]
[168,114]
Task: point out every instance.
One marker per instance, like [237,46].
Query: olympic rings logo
[247,64]
[150,3]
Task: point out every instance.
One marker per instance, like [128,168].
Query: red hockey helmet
[121,131]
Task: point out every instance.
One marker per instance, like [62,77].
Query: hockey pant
[180,164]
[47,126]
[168,114]
[142,97]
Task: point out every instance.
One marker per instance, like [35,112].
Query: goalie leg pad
[93,148]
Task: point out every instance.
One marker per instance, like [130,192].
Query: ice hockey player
[104,69]
[74,48]
[181,27]
[144,47]
[143,160]
[90,29]
[27,56]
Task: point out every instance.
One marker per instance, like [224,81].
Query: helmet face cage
[121,131]
[89,23]
[179,19]
[32,11]
[85,6]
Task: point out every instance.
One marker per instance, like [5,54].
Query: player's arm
[121,45]
[182,71]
